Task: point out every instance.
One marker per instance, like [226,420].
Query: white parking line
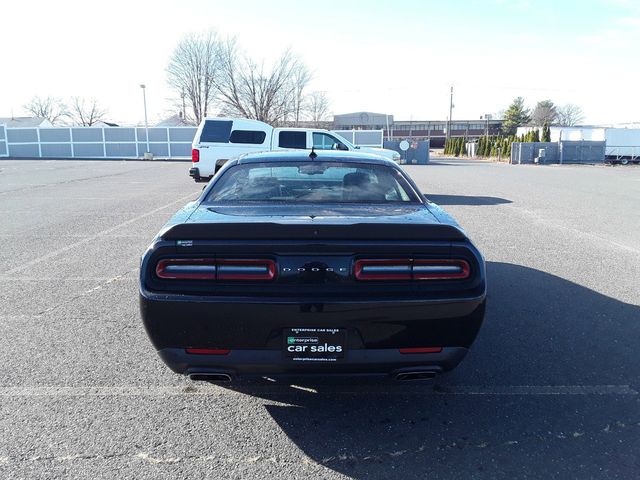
[91,238]
[214,390]
[535,216]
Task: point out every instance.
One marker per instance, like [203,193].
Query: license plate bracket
[304,344]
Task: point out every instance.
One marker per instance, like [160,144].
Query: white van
[220,139]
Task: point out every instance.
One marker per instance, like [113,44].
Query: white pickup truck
[220,139]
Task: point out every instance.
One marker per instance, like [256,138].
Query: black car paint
[315,248]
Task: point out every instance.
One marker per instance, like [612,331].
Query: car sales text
[326,348]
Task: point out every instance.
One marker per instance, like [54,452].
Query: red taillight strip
[246,269]
[187,268]
[421,350]
[195,155]
[383,269]
[440,269]
[410,269]
[211,269]
[207,351]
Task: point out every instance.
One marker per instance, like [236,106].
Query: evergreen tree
[515,116]
[546,133]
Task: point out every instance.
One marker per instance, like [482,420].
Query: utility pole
[487,117]
[388,132]
[146,123]
[450,113]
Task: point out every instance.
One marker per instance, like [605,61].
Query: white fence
[363,138]
[91,142]
[121,142]
[4,151]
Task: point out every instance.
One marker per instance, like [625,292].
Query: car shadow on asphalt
[540,331]
[444,200]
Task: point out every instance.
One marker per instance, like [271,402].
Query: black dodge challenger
[323,264]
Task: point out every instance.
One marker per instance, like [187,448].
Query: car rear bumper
[254,332]
[373,362]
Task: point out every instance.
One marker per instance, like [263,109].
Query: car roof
[323,155]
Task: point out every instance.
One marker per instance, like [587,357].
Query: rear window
[216,131]
[248,136]
[292,139]
[312,182]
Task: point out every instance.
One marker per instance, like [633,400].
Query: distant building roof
[362,118]
[174,121]
[14,122]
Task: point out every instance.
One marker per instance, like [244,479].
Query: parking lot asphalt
[550,389]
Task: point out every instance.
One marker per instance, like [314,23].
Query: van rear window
[217,131]
[254,137]
[292,139]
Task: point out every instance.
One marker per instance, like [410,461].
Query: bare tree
[250,90]
[86,112]
[53,109]
[570,115]
[207,70]
[300,79]
[193,70]
[318,107]
[545,113]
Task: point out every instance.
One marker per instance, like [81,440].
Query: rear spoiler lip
[279,231]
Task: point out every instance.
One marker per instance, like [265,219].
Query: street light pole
[450,112]
[146,123]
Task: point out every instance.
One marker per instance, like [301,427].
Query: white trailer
[623,145]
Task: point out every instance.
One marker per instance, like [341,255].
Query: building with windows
[433,130]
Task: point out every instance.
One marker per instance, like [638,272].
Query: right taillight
[440,269]
[195,155]
[397,269]
[411,269]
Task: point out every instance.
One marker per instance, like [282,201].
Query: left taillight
[220,270]
[408,269]
[195,155]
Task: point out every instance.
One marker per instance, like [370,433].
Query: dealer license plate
[315,344]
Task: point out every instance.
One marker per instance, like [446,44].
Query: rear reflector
[211,269]
[195,155]
[410,269]
[207,351]
[421,350]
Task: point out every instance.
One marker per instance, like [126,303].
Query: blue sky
[391,57]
